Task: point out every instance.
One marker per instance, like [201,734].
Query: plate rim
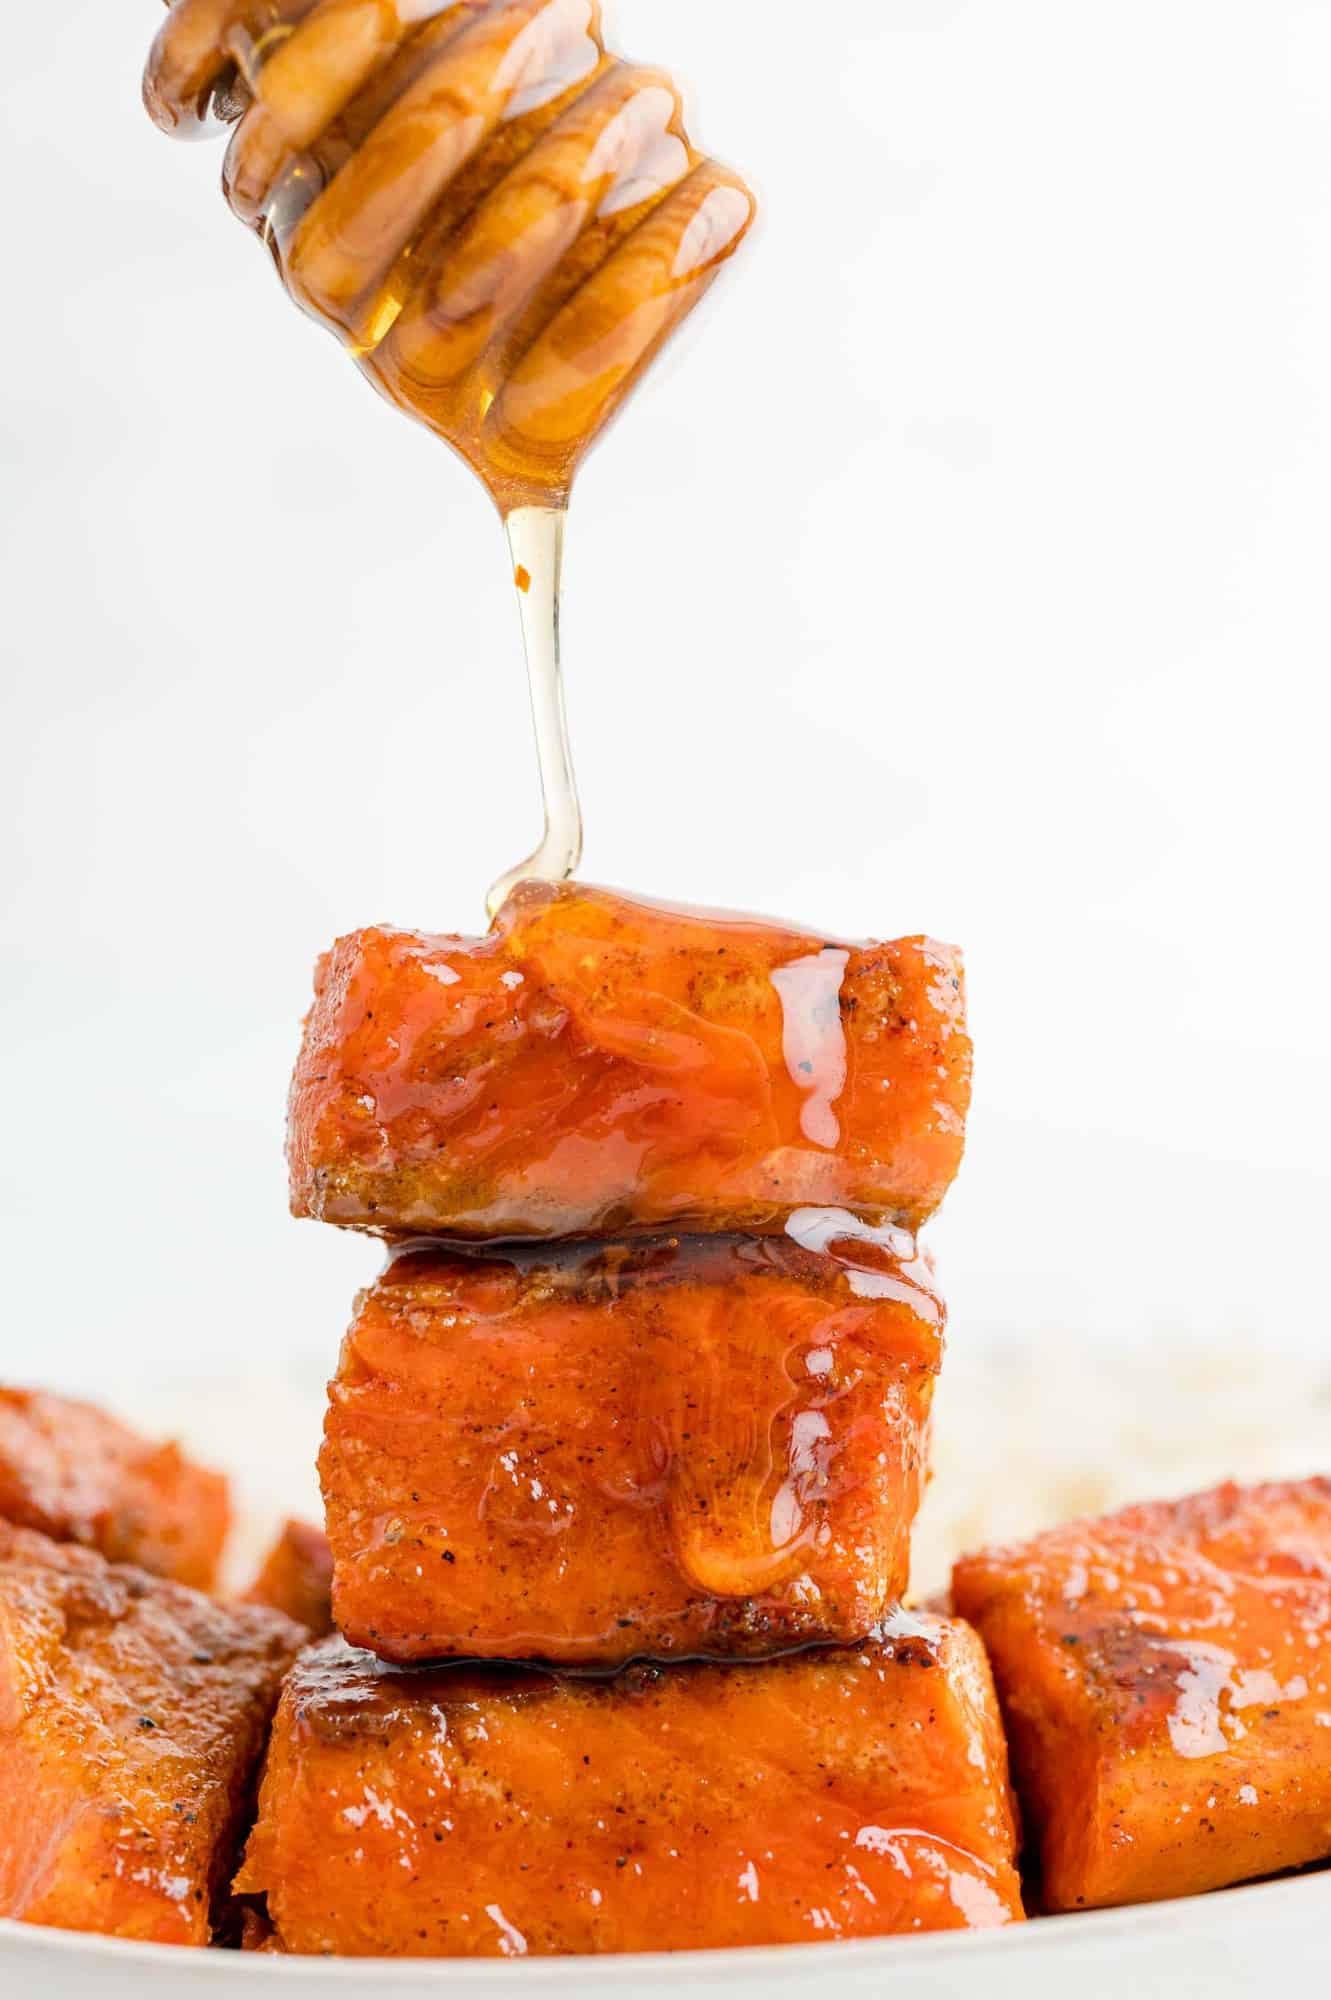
[1267,1900]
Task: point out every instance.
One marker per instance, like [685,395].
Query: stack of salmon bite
[625,1446]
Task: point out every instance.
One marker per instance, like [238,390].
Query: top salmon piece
[598,1066]
[1165,1675]
[74,1473]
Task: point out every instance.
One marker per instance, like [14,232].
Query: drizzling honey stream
[503,222]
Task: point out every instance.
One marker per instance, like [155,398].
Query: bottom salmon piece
[1166,1677]
[475,1811]
[297,1577]
[72,1472]
[133,1714]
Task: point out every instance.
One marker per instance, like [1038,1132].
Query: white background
[969,574]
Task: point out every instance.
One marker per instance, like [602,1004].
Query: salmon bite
[490,1813]
[598,1064]
[666,1446]
[1166,1678]
[74,1473]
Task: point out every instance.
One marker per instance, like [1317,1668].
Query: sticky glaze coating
[472,1813]
[296,1577]
[133,1714]
[76,1474]
[598,1065]
[503,222]
[699,1445]
[1166,1680]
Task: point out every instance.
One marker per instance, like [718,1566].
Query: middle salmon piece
[673,1446]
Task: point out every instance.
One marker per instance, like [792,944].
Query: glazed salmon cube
[596,1066]
[72,1472]
[488,1812]
[1166,1677]
[653,1447]
[133,1713]
[297,1578]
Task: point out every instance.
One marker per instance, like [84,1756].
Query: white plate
[1208,1948]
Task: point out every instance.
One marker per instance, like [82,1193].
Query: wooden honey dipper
[504,222]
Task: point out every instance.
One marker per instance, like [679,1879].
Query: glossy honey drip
[536,544]
[502,221]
